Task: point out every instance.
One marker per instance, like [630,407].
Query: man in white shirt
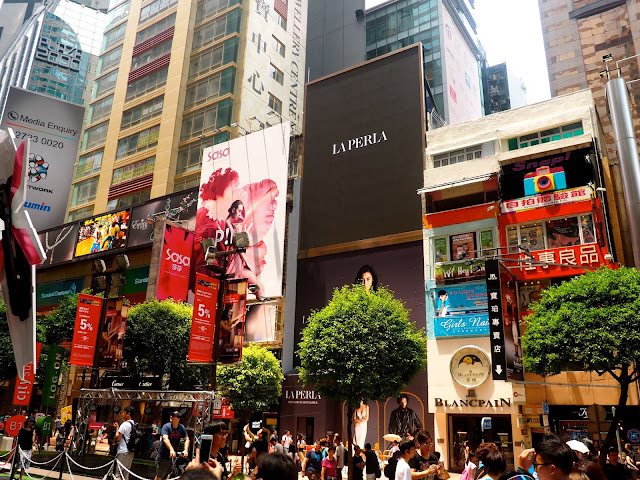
[123,455]
[408,450]
[341,453]
[287,440]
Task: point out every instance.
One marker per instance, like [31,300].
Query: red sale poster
[175,264]
[24,386]
[85,331]
[204,319]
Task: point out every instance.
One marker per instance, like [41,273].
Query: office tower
[175,76]
[503,89]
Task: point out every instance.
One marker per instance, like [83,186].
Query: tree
[157,342]
[360,347]
[589,323]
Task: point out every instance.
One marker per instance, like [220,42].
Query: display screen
[106,232]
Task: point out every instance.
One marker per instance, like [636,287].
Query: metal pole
[627,149]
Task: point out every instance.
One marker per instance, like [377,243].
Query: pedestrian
[341,454]
[276,446]
[470,468]
[495,465]
[552,459]
[407,450]
[587,470]
[358,463]
[287,441]
[25,442]
[614,470]
[277,466]
[173,433]
[220,433]
[629,462]
[330,465]
[122,437]
[312,465]
[197,470]
[372,466]
[481,452]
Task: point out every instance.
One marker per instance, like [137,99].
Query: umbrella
[578,446]
[392,437]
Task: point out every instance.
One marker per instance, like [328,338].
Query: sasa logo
[219,154]
[178,259]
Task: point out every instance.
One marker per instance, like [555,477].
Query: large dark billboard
[364,149]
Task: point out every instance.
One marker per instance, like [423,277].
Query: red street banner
[111,336]
[24,387]
[85,331]
[175,264]
[232,325]
[204,318]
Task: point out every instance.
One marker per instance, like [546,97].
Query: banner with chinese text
[203,320]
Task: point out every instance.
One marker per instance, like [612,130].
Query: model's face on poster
[367,280]
[403,403]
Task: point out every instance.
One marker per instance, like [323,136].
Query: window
[99,109]
[104,84]
[206,119]
[108,60]
[281,21]
[546,136]
[142,113]
[555,233]
[213,58]
[217,29]
[126,200]
[276,74]
[151,54]
[135,170]
[94,136]
[80,214]
[113,36]
[210,88]
[160,26]
[463,246]
[189,182]
[457,156]
[155,8]
[147,84]
[84,192]
[210,8]
[189,159]
[277,45]
[89,164]
[117,13]
[275,104]
[138,142]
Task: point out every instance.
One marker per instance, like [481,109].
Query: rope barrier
[8,453]
[122,467]
[69,466]
[89,468]
[59,457]
[22,455]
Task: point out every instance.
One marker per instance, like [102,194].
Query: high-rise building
[503,89]
[175,76]
[577,34]
[452,52]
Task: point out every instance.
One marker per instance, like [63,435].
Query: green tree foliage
[589,323]
[157,342]
[253,384]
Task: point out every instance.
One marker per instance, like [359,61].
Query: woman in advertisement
[367,276]
[360,420]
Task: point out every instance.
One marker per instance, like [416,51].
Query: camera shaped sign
[544,179]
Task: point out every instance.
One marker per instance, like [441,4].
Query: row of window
[159,26]
[210,8]
[135,170]
[214,58]
[81,213]
[217,29]
[463,246]
[108,60]
[457,156]
[104,84]
[138,142]
[206,119]
[275,103]
[143,112]
[155,8]
[114,36]
[276,74]
[546,136]
[147,84]
[277,46]
[94,136]
[117,13]
[210,88]
[100,109]
[126,200]
[556,233]
[151,54]
[84,192]
[401,20]
[89,163]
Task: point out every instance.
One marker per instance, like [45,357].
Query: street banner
[234,310]
[243,186]
[111,338]
[85,331]
[24,386]
[175,264]
[52,376]
[204,318]
[54,127]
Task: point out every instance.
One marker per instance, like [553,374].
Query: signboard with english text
[85,331]
[175,264]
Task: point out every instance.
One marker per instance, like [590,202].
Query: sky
[510,31]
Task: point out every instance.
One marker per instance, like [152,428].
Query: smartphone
[206,442]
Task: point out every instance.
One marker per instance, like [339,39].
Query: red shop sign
[24,386]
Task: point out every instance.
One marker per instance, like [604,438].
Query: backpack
[466,474]
[135,438]
[390,468]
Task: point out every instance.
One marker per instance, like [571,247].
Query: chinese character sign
[557,262]
[550,199]
[496,329]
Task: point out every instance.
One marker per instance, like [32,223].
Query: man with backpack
[125,444]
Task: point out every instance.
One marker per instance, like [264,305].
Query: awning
[458,183]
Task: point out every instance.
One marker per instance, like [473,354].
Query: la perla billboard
[54,129]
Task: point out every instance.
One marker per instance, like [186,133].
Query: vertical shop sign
[85,331]
[112,332]
[24,386]
[232,324]
[496,330]
[52,376]
[175,264]
[203,322]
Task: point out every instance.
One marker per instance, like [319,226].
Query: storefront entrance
[469,428]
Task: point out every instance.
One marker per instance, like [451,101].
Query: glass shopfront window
[554,233]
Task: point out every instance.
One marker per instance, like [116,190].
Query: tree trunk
[624,381]
[350,439]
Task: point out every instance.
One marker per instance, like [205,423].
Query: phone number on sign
[41,140]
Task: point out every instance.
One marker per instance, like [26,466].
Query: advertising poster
[511,321]
[440,249]
[460,311]
[85,331]
[24,386]
[52,376]
[204,318]
[463,246]
[457,272]
[260,325]
[54,128]
[243,189]
[111,338]
[106,232]
[175,264]
[59,244]
[234,309]
[486,242]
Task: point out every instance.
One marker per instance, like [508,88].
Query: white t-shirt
[287,440]
[403,471]
[125,430]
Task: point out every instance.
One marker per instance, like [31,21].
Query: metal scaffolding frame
[201,402]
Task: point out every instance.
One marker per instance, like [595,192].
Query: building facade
[483,224]
[503,90]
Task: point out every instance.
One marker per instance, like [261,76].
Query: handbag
[444,475]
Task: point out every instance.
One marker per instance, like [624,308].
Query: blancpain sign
[359,142]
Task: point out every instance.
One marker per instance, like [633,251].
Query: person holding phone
[424,461]
[219,433]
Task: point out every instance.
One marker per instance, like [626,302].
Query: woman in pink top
[330,465]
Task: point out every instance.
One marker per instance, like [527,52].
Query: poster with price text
[204,318]
[234,310]
[24,387]
[85,331]
[54,128]
[175,264]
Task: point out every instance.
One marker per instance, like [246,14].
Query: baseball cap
[176,413]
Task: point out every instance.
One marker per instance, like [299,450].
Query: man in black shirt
[371,459]
[25,442]
[424,460]
[614,470]
[358,463]
[218,430]
[404,421]
[312,465]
